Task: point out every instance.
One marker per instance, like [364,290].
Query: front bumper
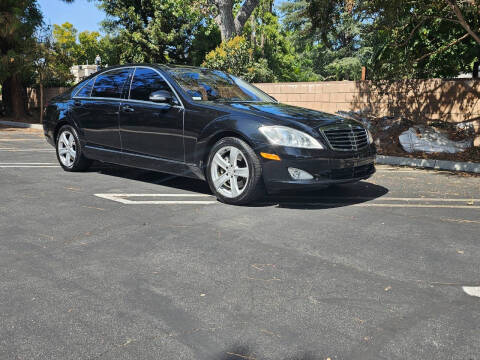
[326,166]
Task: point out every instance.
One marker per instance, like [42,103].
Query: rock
[476,141]
[430,140]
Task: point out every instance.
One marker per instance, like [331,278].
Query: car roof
[160,66]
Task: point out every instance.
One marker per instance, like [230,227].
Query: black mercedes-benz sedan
[204,124]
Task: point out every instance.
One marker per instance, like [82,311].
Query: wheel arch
[243,127]
[66,121]
[217,137]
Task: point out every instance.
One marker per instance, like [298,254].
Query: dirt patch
[34,118]
[386,131]
[15,130]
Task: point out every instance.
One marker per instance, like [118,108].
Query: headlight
[369,136]
[285,136]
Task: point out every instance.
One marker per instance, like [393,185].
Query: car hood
[284,114]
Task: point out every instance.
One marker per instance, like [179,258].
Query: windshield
[215,85]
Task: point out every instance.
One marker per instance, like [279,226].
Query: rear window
[110,84]
[86,89]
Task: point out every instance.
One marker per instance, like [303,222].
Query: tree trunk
[13,96]
[252,35]
[225,20]
[41,102]
[231,26]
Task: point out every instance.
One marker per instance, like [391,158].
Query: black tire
[80,163]
[254,188]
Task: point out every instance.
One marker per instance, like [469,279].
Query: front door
[147,128]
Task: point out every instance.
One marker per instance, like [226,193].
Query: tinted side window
[110,84]
[86,90]
[145,82]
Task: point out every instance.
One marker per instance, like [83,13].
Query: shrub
[235,57]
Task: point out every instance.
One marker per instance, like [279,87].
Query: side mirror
[161,96]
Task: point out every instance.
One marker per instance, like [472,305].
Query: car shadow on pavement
[245,352]
[330,197]
[152,177]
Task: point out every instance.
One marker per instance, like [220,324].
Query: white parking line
[15,163]
[472,290]
[391,205]
[400,199]
[27,150]
[121,198]
[28,166]
[17,139]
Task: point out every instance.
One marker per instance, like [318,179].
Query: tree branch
[442,48]
[461,19]
[244,14]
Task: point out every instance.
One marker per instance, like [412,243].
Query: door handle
[127,108]
[77,103]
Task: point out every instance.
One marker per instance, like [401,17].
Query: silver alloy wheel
[229,171]
[67,148]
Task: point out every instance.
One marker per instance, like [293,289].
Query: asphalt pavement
[118,263]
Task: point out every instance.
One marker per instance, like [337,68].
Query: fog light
[298,174]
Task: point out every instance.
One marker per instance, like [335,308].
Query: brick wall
[420,100]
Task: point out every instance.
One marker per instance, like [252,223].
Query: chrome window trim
[181,106]
[95,80]
[131,81]
[149,103]
[125,100]
[86,83]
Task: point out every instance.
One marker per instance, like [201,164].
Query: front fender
[243,127]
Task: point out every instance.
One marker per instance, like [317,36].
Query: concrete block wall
[421,100]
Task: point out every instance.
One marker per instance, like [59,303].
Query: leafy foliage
[153,30]
[235,56]
[19,20]
[399,39]
[422,39]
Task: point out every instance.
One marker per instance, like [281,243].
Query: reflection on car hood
[286,114]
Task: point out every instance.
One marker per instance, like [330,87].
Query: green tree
[424,38]
[235,57]
[333,44]
[153,30]
[231,16]
[65,36]
[66,48]
[19,20]
[111,49]
[207,38]
[437,38]
[88,47]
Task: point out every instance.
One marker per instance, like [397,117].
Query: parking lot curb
[21,124]
[429,164]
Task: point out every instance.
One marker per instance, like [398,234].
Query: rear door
[149,128]
[98,114]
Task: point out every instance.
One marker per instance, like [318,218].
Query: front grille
[347,139]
